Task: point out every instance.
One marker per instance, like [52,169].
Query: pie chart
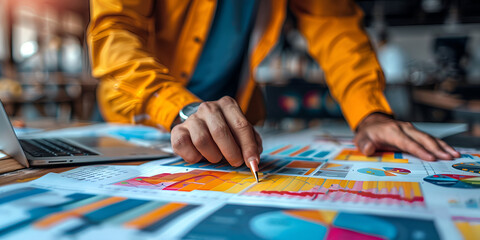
[312,224]
[454,180]
[473,167]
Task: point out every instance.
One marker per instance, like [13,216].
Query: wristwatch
[188,110]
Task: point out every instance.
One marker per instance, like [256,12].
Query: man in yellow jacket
[191,63]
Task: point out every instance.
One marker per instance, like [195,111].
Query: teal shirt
[218,69]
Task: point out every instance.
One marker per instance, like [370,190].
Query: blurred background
[429,50]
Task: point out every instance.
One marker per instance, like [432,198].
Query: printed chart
[334,190]
[226,182]
[385,172]
[471,156]
[254,222]
[300,167]
[355,155]
[473,167]
[333,170]
[267,165]
[454,180]
[469,227]
[464,202]
[297,151]
[56,215]
[277,165]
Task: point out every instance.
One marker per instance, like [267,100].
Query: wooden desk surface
[13,172]
[28,174]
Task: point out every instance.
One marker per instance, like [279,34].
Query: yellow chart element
[324,217]
[155,215]
[218,181]
[355,155]
[469,230]
[347,190]
[77,212]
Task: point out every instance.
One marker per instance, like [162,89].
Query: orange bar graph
[469,227]
[355,155]
[280,150]
[405,193]
[154,216]
[299,151]
[219,181]
[77,212]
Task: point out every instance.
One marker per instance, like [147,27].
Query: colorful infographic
[333,170]
[386,171]
[267,165]
[471,203]
[454,180]
[226,182]
[255,222]
[473,167]
[471,156]
[355,155]
[59,216]
[469,227]
[297,151]
[300,168]
[334,190]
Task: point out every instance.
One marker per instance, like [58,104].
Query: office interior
[429,51]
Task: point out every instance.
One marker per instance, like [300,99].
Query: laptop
[37,151]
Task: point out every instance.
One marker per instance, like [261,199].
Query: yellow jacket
[145,51]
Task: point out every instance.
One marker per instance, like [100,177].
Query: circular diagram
[454,180]
[473,167]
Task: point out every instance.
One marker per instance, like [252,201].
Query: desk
[28,174]
[21,174]
[313,183]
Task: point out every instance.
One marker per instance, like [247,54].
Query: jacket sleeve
[337,40]
[134,86]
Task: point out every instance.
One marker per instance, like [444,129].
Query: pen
[254,168]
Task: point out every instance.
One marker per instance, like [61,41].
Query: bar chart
[77,213]
[195,180]
[334,190]
[355,155]
[297,151]
[267,165]
[469,227]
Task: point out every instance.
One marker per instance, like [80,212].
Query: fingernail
[253,162]
[446,156]
[457,154]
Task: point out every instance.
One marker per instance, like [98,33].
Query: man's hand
[379,132]
[217,130]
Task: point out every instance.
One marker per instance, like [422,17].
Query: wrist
[175,122]
[373,118]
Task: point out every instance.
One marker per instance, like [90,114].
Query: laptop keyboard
[52,147]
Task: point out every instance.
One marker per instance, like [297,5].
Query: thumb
[366,146]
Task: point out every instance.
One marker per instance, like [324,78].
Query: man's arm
[337,40]
[135,87]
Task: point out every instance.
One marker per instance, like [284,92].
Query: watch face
[188,110]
